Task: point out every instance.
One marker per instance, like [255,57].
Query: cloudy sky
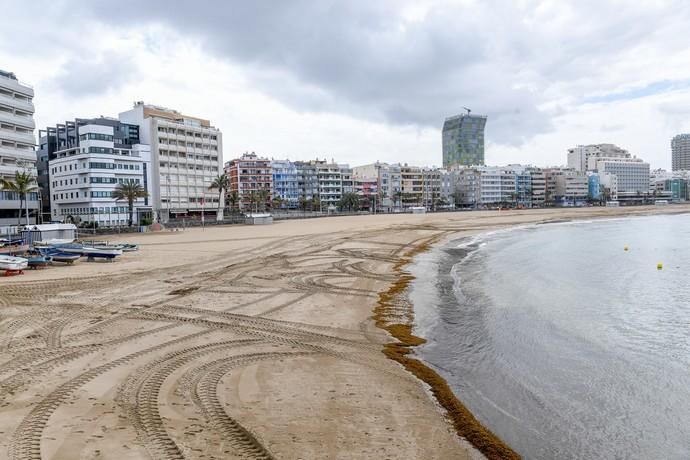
[361,81]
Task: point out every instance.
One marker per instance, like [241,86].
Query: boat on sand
[13,263]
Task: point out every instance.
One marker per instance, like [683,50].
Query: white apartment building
[632,175]
[16,143]
[186,156]
[496,185]
[84,177]
[330,180]
[582,158]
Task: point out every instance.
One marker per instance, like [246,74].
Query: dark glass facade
[463,140]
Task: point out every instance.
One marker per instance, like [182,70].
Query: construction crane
[468,110]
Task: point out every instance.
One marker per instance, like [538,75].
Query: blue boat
[58,256]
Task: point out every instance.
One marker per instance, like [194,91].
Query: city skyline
[390,100]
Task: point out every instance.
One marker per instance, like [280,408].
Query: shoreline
[395,304]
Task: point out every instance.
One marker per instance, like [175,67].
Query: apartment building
[84,176]
[252,178]
[16,145]
[565,186]
[330,182]
[431,187]
[389,182]
[285,183]
[186,156]
[307,182]
[411,186]
[466,192]
[497,185]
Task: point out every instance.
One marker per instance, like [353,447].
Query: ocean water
[562,343]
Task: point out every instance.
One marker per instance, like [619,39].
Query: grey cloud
[360,58]
[87,76]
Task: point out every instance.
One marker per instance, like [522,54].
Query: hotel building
[16,144]
[582,158]
[186,156]
[632,176]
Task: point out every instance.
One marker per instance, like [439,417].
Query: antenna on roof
[468,110]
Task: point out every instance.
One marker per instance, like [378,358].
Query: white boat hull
[13,263]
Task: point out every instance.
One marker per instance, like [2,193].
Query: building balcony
[8,170]
[27,106]
[24,122]
[14,136]
[22,154]
[17,86]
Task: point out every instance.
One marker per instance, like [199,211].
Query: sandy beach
[234,342]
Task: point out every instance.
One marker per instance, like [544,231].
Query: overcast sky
[361,81]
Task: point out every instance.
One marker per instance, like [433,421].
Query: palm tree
[221,184]
[303,202]
[316,203]
[264,197]
[129,190]
[233,198]
[22,185]
[76,220]
[253,200]
[349,201]
[397,195]
[277,202]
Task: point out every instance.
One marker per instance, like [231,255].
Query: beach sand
[232,342]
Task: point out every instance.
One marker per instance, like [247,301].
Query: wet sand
[232,342]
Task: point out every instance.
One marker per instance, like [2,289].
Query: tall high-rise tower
[680,152]
[17,143]
[463,140]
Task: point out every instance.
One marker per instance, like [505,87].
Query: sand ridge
[231,342]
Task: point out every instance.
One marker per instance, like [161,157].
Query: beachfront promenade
[231,342]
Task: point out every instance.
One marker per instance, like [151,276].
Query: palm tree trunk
[21,209]
[26,205]
[219,216]
[131,211]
